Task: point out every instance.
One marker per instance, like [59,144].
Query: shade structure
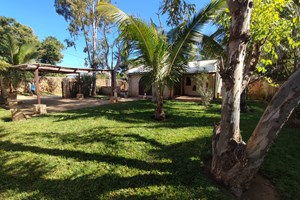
[41,67]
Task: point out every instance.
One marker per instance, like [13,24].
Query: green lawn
[117,151]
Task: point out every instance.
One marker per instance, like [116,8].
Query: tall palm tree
[165,57]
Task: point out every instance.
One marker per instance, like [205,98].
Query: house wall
[133,85]
[188,90]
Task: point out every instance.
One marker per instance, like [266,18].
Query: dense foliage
[50,51]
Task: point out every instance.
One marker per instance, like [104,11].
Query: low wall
[48,84]
[103,86]
[261,90]
[53,85]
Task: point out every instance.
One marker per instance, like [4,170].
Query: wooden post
[112,79]
[79,83]
[37,84]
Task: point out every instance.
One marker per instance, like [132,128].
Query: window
[188,81]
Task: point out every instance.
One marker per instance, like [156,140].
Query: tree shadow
[141,112]
[184,172]
[6,119]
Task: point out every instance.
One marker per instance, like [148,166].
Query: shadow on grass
[6,119]
[184,173]
[141,112]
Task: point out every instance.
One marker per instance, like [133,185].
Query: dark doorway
[144,87]
[177,89]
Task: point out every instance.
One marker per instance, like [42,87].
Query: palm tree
[14,53]
[165,57]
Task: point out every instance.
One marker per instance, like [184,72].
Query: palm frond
[211,48]
[191,33]
[3,65]
[26,53]
[144,36]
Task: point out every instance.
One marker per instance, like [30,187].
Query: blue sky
[40,15]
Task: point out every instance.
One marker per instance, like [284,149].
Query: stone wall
[53,85]
[104,86]
[48,84]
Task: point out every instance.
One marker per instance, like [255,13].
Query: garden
[118,151]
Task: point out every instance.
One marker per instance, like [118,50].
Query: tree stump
[79,96]
[113,100]
[39,109]
[18,115]
[12,103]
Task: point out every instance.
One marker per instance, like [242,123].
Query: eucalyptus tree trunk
[159,111]
[237,165]
[227,142]
[243,103]
[234,162]
[94,50]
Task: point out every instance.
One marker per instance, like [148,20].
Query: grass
[117,151]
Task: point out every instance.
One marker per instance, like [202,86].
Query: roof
[194,67]
[55,69]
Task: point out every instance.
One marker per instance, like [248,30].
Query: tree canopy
[50,51]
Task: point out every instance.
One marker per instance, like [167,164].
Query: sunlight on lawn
[113,151]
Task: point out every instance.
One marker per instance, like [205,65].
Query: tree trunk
[240,162]
[159,111]
[235,162]
[227,145]
[94,87]
[3,95]
[243,104]
[114,83]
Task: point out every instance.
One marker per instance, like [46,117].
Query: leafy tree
[164,56]
[83,21]
[278,68]
[178,11]
[268,31]
[50,51]
[20,32]
[206,94]
[235,162]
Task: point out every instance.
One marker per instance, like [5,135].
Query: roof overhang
[195,67]
[56,69]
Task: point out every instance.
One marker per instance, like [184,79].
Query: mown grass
[118,151]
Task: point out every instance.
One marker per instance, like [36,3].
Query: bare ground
[58,104]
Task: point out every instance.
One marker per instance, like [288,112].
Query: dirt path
[57,104]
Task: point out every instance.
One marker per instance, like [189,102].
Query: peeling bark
[240,162]
[228,148]
[273,119]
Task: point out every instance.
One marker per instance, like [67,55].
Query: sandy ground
[57,103]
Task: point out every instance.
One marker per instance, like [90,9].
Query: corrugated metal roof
[209,66]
